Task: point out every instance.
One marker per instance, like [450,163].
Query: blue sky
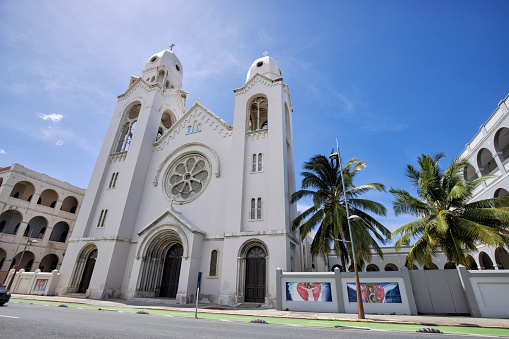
[390,79]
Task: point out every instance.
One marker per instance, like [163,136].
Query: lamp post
[360,306]
[29,242]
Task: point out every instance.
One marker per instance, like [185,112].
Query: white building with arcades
[178,191]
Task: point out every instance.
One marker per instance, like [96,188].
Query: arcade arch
[26,262]
[48,263]
[499,193]
[485,261]
[36,227]
[372,268]
[23,190]
[486,162]
[391,267]
[59,232]
[502,258]
[48,198]
[501,143]
[70,204]
[10,221]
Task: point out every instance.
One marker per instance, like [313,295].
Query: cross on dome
[171,47]
[265,53]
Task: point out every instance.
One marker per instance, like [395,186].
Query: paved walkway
[246,310]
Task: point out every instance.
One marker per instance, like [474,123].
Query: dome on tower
[265,66]
[164,67]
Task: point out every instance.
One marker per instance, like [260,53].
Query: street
[18,320]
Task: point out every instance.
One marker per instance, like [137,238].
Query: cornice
[258,79]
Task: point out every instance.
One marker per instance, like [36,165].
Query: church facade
[175,192]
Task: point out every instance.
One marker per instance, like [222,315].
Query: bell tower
[261,180]
[151,104]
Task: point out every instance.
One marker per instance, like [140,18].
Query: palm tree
[448,221]
[322,182]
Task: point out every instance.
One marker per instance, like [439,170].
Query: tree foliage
[322,183]
[448,220]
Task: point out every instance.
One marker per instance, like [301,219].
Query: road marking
[8,316]
[225,320]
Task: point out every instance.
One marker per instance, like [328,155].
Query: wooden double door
[171,272]
[255,275]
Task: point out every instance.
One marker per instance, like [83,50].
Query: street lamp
[29,242]
[360,306]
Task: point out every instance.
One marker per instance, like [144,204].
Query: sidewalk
[246,310]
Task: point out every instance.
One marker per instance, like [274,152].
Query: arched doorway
[87,272]
[171,272]
[255,275]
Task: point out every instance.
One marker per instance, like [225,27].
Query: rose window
[187,177]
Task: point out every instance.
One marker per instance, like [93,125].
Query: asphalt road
[19,320]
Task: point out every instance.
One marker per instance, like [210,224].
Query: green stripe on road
[283,320]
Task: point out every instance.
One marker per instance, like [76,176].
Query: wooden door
[255,275]
[87,272]
[171,272]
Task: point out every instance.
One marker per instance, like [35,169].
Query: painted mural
[381,293]
[305,291]
[40,285]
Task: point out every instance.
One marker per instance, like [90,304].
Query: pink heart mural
[309,291]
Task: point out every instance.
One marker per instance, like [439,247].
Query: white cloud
[59,142]
[53,117]
[2,151]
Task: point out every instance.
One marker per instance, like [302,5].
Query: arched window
[470,173]
[257,163]
[472,265]
[60,232]
[502,258]
[102,218]
[432,267]
[501,193]
[449,266]
[256,209]
[126,134]
[213,264]
[113,180]
[167,120]
[258,114]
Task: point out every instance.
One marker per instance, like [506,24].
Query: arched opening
[472,265]
[470,173]
[1,181]
[87,272]
[160,77]
[334,267]
[502,143]
[160,265]
[258,113]
[70,204]
[485,261]
[48,263]
[26,262]
[449,266]
[36,227]
[502,258]
[126,134]
[391,267]
[432,267]
[10,221]
[23,190]
[167,120]
[486,162]
[372,268]
[252,273]
[48,198]
[3,257]
[60,232]
[500,193]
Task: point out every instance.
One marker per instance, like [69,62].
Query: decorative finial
[265,53]
[171,47]
[197,100]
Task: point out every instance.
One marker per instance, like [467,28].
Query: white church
[175,192]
